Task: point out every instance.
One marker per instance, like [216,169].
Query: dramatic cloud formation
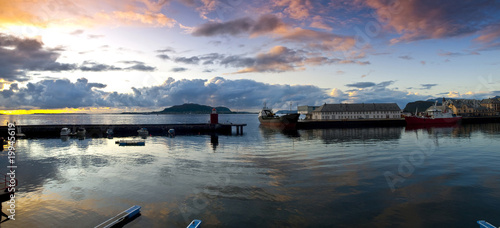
[278,59]
[17,56]
[236,94]
[265,24]
[430,19]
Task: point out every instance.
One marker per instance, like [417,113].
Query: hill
[420,105]
[190,108]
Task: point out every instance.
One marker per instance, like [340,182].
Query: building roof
[459,103]
[368,107]
[490,101]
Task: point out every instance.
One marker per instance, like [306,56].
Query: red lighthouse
[214,117]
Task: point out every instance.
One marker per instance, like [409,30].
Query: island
[190,108]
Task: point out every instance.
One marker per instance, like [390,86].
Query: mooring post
[237,130]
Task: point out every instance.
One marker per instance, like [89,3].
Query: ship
[268,118]
[434,116]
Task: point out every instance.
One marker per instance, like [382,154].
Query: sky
[139,55]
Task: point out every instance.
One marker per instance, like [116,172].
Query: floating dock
[124,130]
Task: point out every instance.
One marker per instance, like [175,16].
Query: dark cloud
[17,56]
[428,86]
[406,57]
[236,94]
[167,49]
[98,67]
[140,67]
[264,24]
[179,69]
[361,84]
[59,93]
[186,60]
[163,56]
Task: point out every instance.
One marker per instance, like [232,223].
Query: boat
[433,116]
[131,143]
[484,224]
[268,118]
[109,133]
[143,131]
[81,132]
[65,131]
[194,224]
[121,218]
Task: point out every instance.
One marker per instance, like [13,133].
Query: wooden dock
[124,130]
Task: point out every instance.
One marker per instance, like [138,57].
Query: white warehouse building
[357,111]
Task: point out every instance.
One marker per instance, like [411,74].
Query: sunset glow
[146,54]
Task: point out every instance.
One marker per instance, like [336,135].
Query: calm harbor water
[359,177]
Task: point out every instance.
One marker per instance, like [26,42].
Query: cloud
[19,55]
[264,24]
[454,54]
[50,94]
[163,56]
[296,9]
[47,13]
[179,69]
[190,60]
[167,49]
[361,84]
[236,94]
[420,20]
[98,67]
[77,32]
[406,57]
[427,86]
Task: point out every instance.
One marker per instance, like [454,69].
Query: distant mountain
[420,105]
[191,108]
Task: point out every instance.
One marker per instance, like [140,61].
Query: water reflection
[269,131]
[342,135]
[265,178]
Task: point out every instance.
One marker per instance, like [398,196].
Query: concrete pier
[124,130]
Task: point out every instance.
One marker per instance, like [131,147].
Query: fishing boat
[433,116]
[268,118]
[121,218]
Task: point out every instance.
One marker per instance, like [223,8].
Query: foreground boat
[268,118]
[433,117]
[131,143]
[194,224]
[121,218]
